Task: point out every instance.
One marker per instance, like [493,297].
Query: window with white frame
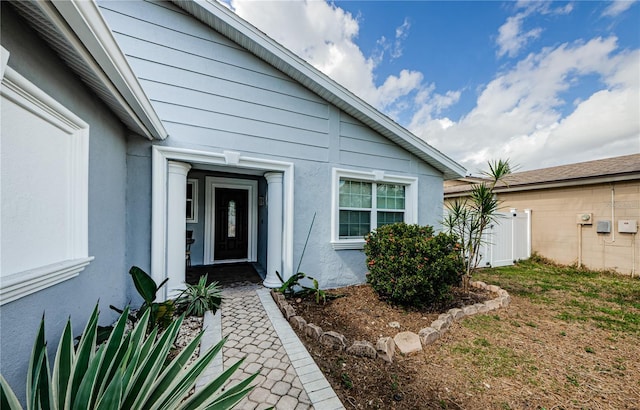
[192,201]
[364,201]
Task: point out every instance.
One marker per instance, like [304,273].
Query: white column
[176,226]
[274,225]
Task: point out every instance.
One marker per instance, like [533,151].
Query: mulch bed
[519,357]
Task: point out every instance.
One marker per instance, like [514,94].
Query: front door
[231,224]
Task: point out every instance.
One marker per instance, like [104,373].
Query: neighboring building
[585,213]
[126,124]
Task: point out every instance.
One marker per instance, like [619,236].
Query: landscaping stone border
[385,347]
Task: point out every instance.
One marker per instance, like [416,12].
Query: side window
[192,201]
[364,201]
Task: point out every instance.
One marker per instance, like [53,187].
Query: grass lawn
[608,301]
[569,340]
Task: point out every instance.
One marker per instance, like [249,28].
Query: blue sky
[541,83]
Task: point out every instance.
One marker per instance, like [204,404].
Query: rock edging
[385,347]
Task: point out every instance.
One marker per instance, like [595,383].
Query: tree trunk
[466,278]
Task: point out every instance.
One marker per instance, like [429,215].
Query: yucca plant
[129,371]
[469,218]
[199,298]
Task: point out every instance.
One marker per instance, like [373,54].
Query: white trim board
[67,259]
[234,160]
[100,46]
[249,185]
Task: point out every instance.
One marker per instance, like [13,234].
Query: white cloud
[518,114]
[617,7]
[402,32]
[511,38]
[324,35]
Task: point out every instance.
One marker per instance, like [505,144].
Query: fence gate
[507,240]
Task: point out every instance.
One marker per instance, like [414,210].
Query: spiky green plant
[199,298]
[469,218]
[129,371]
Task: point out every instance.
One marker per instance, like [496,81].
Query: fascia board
[101,49]
[248,36]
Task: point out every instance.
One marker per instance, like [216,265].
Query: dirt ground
[520,357]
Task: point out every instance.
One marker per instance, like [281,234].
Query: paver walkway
[256,330]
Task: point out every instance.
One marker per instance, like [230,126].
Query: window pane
[231,219]
[387,218]
[390,196]
[189,209]
[354,224]
[355,194]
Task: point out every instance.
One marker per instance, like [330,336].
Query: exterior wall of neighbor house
[212,95]
[554,228]
[105,278]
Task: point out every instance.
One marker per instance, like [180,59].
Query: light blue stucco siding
[212,95]
[105,278]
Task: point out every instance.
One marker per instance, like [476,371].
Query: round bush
[410,266]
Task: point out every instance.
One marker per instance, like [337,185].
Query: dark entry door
[231,224]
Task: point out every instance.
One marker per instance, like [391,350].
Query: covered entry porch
[231,183]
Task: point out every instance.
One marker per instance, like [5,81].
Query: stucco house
[584,213]
[126,124]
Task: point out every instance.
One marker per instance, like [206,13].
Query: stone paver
[289,378]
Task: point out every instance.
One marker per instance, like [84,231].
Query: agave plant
[199,298]
[129,371]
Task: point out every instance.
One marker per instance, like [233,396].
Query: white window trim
[411,200]
[194,200]
[24,93]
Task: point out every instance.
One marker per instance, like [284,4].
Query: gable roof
[77,31]
[582,173]
[230,25]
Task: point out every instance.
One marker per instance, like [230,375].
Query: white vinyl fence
[508,240]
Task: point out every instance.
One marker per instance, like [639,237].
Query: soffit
[39,15]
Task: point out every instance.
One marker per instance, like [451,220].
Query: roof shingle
[610,167]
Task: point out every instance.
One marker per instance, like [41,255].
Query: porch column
[176,226]
[274,235]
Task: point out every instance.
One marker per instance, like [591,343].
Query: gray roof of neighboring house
[226,22]
[598,171]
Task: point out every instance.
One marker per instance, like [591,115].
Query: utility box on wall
[603,227]
[627,226]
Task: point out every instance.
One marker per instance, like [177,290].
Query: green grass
[494,361]
[606,300]
[482,323]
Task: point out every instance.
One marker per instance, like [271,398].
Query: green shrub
[411,266]
[199,298]
[130,371]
